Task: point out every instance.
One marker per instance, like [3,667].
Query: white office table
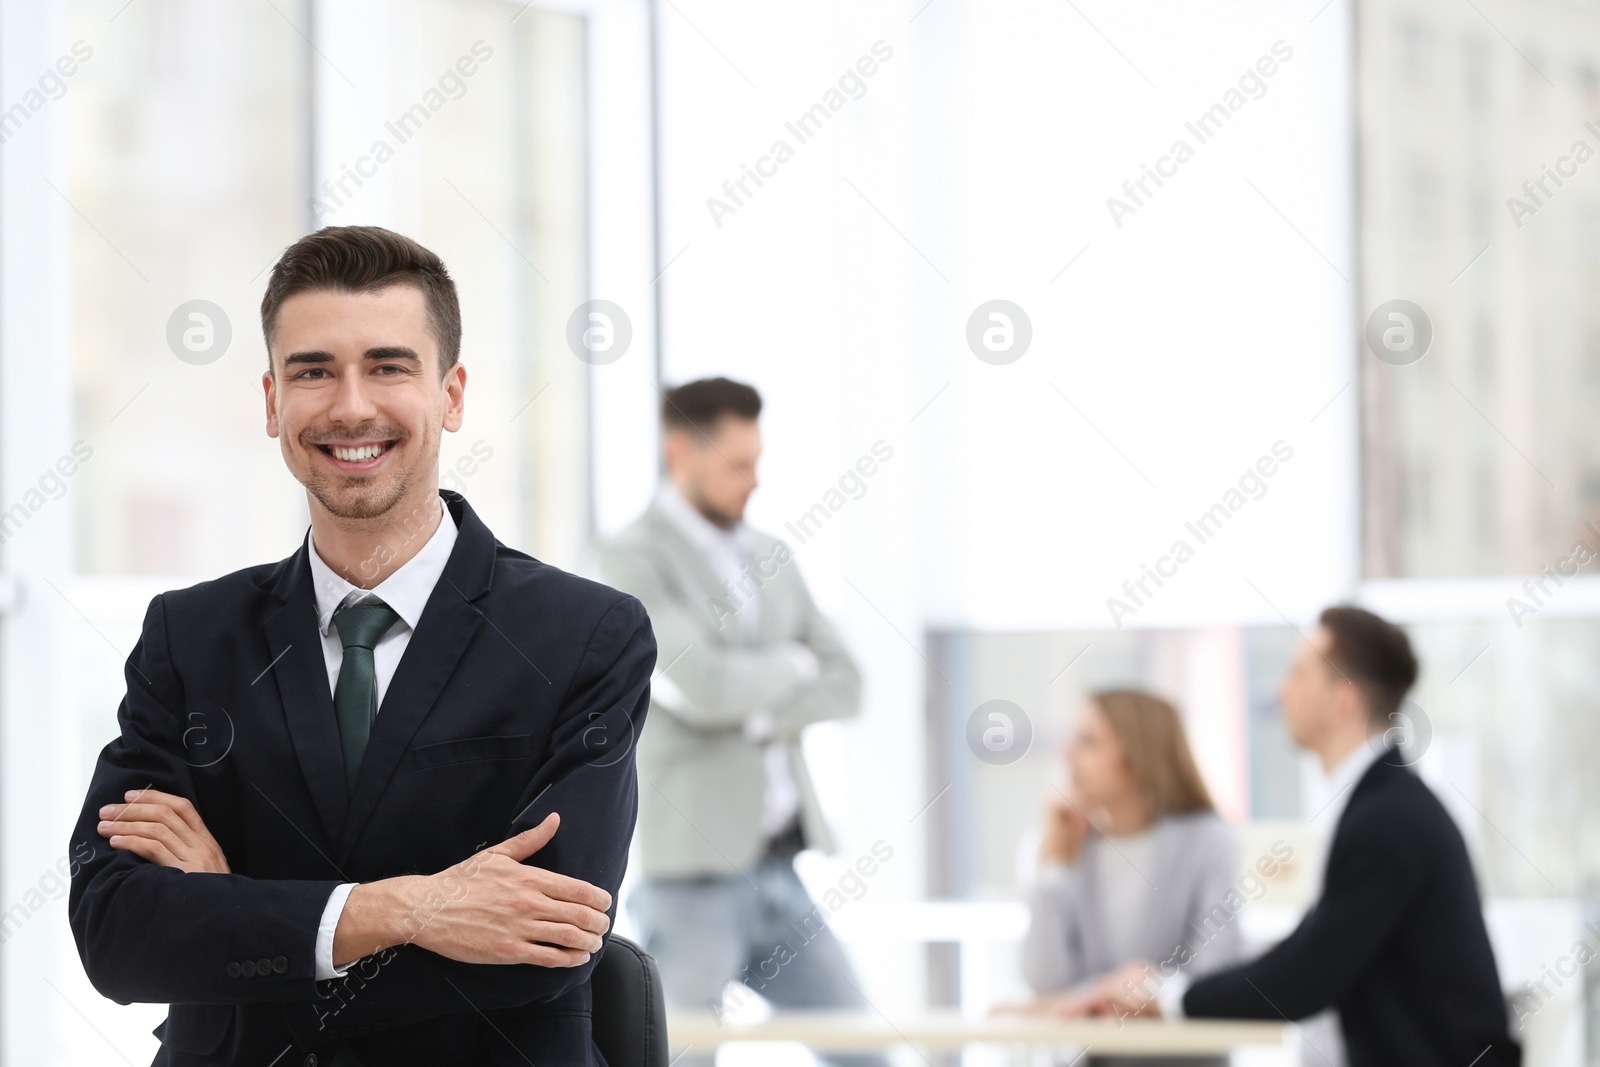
[851,1031]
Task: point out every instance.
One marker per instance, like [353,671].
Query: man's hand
[164,829]
[1127,992]
[489,908]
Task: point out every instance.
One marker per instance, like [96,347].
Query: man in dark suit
[1396,942]
[309,837]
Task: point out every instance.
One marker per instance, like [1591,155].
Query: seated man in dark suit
[309,837]
[1396,943]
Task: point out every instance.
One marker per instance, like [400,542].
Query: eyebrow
[386,352]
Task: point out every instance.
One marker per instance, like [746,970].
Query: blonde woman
[1135,864]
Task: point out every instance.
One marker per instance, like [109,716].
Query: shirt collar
[700,530]
[406,590]
[1350,770]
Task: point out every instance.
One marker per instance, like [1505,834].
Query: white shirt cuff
[325,929]
[1169,998]
[805,662]
[758,727]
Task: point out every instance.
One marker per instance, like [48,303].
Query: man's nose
[352,402]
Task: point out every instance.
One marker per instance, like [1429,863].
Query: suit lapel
[301,673]
[448,624]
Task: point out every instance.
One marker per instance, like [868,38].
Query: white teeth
[356,455]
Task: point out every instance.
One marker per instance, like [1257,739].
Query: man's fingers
[153,831]
[572,890]
[550,956]
[148,847]
[148,803]
[579,915]
[121,813]
[566,936]
[520,846]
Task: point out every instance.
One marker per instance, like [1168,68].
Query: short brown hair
[1373,653]
[699,404]
[1157,750]
[365,259]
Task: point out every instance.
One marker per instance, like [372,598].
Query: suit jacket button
[248,968]
[232,969]
[263,967]
[280,964]
[311,1060]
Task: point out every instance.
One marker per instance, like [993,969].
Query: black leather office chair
[630,1015]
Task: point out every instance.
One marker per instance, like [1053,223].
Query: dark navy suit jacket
[520,693]
[1397,941]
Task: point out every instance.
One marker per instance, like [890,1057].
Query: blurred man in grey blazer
[725,801]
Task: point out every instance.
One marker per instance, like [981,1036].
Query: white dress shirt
[406,591]
[730,552]
[1338,784]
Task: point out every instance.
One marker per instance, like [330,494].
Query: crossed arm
[723,683]
[159,914]
[489,908]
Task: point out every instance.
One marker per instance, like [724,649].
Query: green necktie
[355,696]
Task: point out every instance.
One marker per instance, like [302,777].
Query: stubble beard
[364,497]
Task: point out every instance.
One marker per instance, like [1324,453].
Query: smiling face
[356,401]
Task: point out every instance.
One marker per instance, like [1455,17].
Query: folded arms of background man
[723,683]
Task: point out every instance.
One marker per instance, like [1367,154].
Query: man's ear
[455,401]
[673,444]
[269,390]
[1353,704]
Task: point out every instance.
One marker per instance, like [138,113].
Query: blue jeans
[762,930]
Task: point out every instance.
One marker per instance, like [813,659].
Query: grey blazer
[1196,868]
[701,782]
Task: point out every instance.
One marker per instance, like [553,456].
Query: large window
[1480,207]
[187,163]
[1481,453]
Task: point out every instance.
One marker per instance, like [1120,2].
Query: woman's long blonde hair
[1157,750]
